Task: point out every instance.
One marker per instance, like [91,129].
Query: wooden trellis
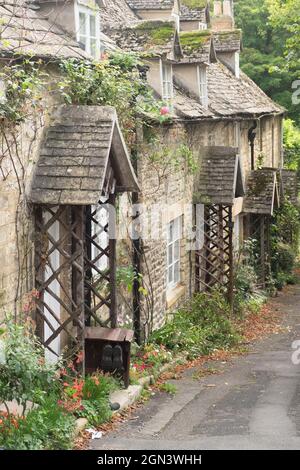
[75,271]
[83,164]
[214,260]
[259,230]
[59,263]
[100,269]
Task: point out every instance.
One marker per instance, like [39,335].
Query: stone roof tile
[228,41]
[74,157]
[220,177]
[261,192]
[195,10]
[25,31]
[151,4]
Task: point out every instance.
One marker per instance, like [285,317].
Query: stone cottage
[232,129]
[61,166]
[206,172]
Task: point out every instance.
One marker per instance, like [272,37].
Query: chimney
[223,18]
[218,11]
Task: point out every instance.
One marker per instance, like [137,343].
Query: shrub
[284,258]
[24,374]
[46,427]
[200,327]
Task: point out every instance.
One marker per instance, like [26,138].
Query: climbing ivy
[115,81]
[23,83]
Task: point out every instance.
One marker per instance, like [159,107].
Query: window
[2,92]
[167,81]
[173,253]
[202,74]
[202,26]
[88,30]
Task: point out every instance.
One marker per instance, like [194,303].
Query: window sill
[174,295]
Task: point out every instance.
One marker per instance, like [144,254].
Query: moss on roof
[195,4]
[192,40]
[159,32]
[235,33]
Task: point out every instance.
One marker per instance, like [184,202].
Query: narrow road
[253,403]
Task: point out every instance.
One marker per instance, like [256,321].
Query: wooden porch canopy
[262,193]
[262,197]
[220,181]
[82,146]
[83,163]
[289,185]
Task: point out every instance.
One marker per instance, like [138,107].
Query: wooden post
[112,273]
[230,260]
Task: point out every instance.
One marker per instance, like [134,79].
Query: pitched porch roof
[79,146]
[220,177]
[262,195]
[289,185]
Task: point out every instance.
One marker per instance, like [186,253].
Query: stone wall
[173,190]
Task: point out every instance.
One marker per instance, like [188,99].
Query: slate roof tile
[25,31]
[220,177]
[74,156]
[261,192]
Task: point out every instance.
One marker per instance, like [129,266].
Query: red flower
[164,110]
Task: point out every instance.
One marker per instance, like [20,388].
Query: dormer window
[167,81]
[88,29]
[202,79]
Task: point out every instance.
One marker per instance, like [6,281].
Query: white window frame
[237,64]
[202,26]
[202,81]
[88,13]
[166,72]
[174,231]
[2,92]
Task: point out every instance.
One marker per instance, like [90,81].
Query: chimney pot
[227,8]
[218,8]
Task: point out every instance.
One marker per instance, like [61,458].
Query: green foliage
[23,83]
[291,136]
[115,82]
[191,40]
[268,56]
[200,327]
[194,4]
[95,399]
[286,226]
[172,157]
[47,427]
[24,375]
[168,388]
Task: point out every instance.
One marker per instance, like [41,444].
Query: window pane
[93,47]
[176,250]
[170,254]
[82,23]
[170,274]
[177,272]
[82,40]
[170,232]
[92,26]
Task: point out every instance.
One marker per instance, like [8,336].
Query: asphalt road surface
[254,403]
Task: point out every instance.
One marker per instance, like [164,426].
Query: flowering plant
[149,359]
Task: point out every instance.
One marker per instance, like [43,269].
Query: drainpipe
[251,139]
